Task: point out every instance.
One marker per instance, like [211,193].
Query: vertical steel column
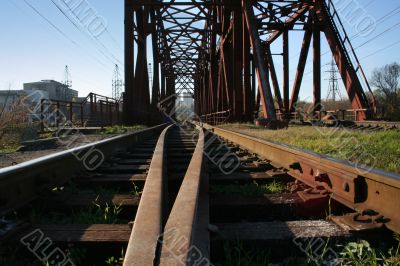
[265,90]
[253,88]
[141,94]
[129,64]
[214,63]
[316,68]
[162,82]
[156,79]
[247,108]
[286,73]
[238,64]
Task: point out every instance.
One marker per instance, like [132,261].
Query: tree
[387,79]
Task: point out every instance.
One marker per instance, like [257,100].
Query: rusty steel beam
[253,89]
[261,70]
[290,21]
[285,52]
[316,69]
[237,49]
[156,94]
[129,64]
[347,71]
[247,94]
[300,69]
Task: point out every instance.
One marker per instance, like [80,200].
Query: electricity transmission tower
[67,78]
[333,83]
[116,84]
[67,83]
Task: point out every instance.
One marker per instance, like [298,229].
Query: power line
[49,22]
[379,35]
[379,21]
[109,56]
[370,2]
[57,29]
[380,50]
[369,40]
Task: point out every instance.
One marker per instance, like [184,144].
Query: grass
[95,214]
[235,254]
[362,254]
[121,129]
[46,135]
[379,149]
[251,189]
[136,191]
[358,253]
[116,261]
[8,147]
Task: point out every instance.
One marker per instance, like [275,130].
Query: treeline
[386,81]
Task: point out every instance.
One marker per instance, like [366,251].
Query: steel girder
[219,52]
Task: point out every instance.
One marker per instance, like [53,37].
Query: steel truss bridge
[219,52]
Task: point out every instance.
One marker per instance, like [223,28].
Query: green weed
[361,253]
[236,254]
[251,189]
[136,191]
[95,214]
[114,261]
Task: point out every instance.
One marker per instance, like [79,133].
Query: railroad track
[375,125]
[195,190]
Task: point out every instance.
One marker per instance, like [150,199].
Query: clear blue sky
[31,49]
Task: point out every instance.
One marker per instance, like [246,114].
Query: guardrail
[216,118]
[94,110]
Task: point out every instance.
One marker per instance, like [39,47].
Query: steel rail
[150,217]
[384,124]
[21,183]
[360,188]
[186,239]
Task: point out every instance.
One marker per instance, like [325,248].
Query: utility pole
[116,84]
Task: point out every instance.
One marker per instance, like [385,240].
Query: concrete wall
[55,90]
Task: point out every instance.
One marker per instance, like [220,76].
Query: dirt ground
[9,159]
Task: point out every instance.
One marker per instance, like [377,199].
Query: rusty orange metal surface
[150,215]
[360,188]
[186,238]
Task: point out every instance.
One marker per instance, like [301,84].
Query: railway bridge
[219,53]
